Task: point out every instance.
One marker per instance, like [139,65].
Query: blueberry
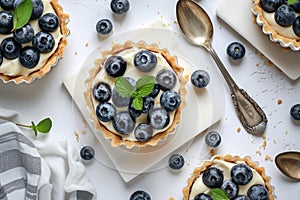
[296,26]
[6,22]
[105,111]
[38,8]
[104,26]
[145,61]
[120,7]
[155,91]
[29,57]
[140,195]
[295,111]
[143,132]
[24,34]
[236,50]
[200,78]
[10,48]
[202,196]
[148,103]
[213,139]
[285,15]
[166,79]
[170,100]
[231,189]
[7,4]
[176,161]
[270,5]
[102,92]
[117,99]
[258,192]
[87,153]
[241,197]
[213,177]
[115,66]
[43,42]
[241,174]
[123,123]
[159,118]
[49,22]
[134,113]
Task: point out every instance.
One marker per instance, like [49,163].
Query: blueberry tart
[29,52]
[238,177]
[135,94]
[280,21]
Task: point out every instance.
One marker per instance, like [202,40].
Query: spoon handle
[248,111]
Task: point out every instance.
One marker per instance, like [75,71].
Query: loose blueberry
[176,161]
[117,99]
[148,103]
[6,22]
[140,195]
[24,34]
[295,111]
[236,50]
[213,139]
[87,153]
[120,7]
[43,42]
[241,174]
[145,61]
[49,22]
[213,177]
[123,123]
[115,66]
[155,91]
[159,118]
[105,111]
[104,26]
[241,197]
[200,78]
[166,79]
[202,196]
[7,4]
[170,100]
[29,57]
[102,92]
[296,26]
[10,48]
[143,132]
[258,192]
[285,15]
[270,5]
[231,189]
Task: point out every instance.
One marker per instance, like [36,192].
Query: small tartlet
[55,56]
[115,139]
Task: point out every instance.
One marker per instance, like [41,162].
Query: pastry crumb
[172,198]
[86,44]
[268,157]
[212,152]
[83,132]
[258,152]
[76,136]
[238,129]
[279,101]
[76,53]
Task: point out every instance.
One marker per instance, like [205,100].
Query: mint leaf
[138,103]
[218,194]
[145,90]
[292,2]
[145,81]
[124,87]
[22,14]
[44,126]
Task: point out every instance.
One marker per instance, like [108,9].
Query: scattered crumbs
[268,157]
[83,132]
[264,144]
[172,198]
[76,136]
[274,141]
[238,129]
[85,123]
[186,77]
[286,132]
[76,53]
[258,152]
[161,17]
[175,22]
[86,44]
[212,152]
[279,101]
[164,25]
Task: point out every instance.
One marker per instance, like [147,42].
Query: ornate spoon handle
[248,111]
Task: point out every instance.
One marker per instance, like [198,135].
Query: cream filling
[14,67]
[287,32]
[199,187]
[132,72]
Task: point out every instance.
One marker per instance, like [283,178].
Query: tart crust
[53,59]
[293,44]
[116,140]
[229,158]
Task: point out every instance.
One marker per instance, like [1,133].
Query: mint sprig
[43,126]
[292,2]
[218,194]
[22,14]
[144,86]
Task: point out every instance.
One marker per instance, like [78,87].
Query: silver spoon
[197,27]
[289,164]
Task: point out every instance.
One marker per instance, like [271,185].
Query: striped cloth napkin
[33,170]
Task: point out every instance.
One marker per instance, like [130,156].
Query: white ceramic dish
[204,108]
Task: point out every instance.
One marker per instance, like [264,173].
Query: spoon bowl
[198,28]
[289,164]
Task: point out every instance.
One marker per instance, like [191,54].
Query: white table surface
[264,82]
